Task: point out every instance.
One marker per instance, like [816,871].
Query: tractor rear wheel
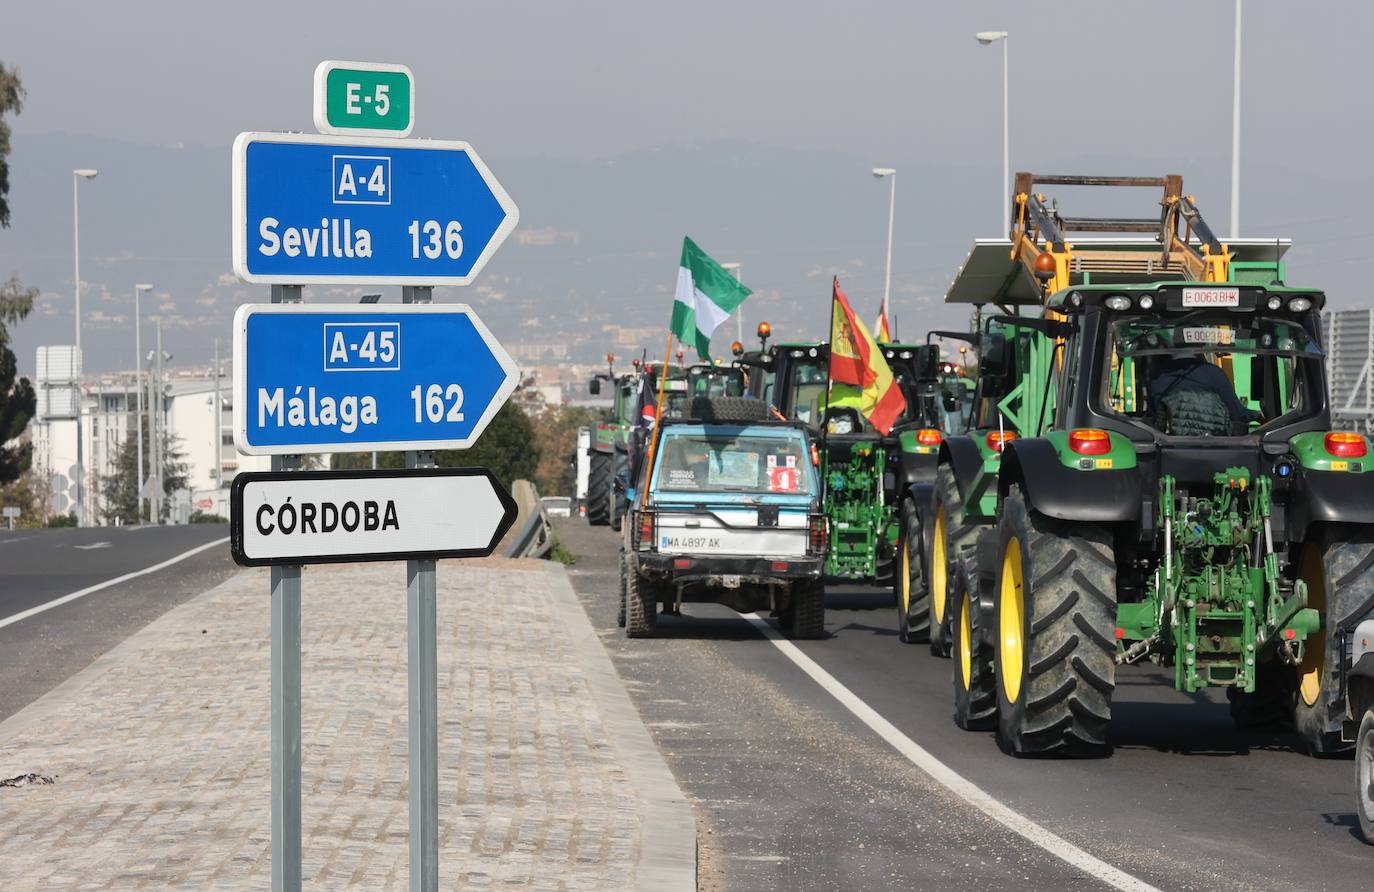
[641,603]
[975,689]
[598,486]
[948,533]
[908,580]
[1055,620]
[616,502]
[624,565]
[1338,567]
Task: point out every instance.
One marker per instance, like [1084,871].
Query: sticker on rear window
[784,479]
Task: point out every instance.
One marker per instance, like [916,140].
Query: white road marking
[947,777]
[67,599]
[92,545]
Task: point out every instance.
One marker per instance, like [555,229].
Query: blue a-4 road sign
[351,378]
[356,210]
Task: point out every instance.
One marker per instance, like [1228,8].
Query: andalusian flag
[855,359]
[881,331]
[706,296]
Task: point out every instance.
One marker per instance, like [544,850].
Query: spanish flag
[881,331]
[855,359]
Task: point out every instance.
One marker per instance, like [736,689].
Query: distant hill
[598,240]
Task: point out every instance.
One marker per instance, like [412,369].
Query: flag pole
[658,416]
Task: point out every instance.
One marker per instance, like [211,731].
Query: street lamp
[84,173]
[138,377]
[891,173]
[985,38]
[739,310]
[1235,135]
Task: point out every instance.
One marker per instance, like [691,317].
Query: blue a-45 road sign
[356,210]
[352,378]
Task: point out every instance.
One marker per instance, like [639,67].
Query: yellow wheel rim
[938,574]
[906,577]
[1011,622]
[1314,650]
[966,640]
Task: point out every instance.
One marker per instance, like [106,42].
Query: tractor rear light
[646,528]
[1289,634]
[1118,302]
[1274,303]
[1090,441]
[1120,633]
[1145,302]
[997,439]
[820,534]
[928,436]
[1346,445]
[1299,304]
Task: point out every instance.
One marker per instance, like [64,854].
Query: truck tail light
[997,439]
[1346,445]
[928,436]
[1090,441]
[820,534]
[646,529]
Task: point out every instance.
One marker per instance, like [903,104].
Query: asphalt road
[791,791]
[39,566]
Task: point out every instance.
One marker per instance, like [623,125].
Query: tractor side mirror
[594,387]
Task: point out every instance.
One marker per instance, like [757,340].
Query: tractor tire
[1055,620]
[805,619]
[641,603]
[948,536]
[728,410]
[908,581]
[620,613]
[598,487]
[1339,570]
[616,502]
[1364,775]
[975,687]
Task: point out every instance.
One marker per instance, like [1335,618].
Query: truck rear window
[695,463]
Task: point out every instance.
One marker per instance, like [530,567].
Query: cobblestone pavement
[159,751]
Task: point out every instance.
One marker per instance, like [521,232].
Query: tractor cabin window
[1210,374]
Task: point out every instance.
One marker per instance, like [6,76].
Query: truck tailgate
[731,532]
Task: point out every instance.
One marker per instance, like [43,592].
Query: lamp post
[739,310]
[138,387]
[985,38]
[84,173]
[1235,135]
[890,173]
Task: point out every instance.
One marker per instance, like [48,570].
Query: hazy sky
[593,77]
[1097,86]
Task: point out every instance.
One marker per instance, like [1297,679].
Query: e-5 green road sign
[364,99]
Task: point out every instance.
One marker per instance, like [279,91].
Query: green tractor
[1175,495]
[866,476]
[609,441]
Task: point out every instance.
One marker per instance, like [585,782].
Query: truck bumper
[748,568]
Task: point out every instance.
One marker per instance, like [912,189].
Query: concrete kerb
[668,833]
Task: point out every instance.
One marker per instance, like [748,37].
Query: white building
[109,404]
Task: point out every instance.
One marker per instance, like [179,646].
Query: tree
[17,399]
[507,447]
[120,489]
[555,433]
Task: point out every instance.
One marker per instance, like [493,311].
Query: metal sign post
[286,694]
[359,204]
[422,686]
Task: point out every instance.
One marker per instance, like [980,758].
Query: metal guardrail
[534,536]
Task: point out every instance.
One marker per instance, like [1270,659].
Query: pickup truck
[732,515]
